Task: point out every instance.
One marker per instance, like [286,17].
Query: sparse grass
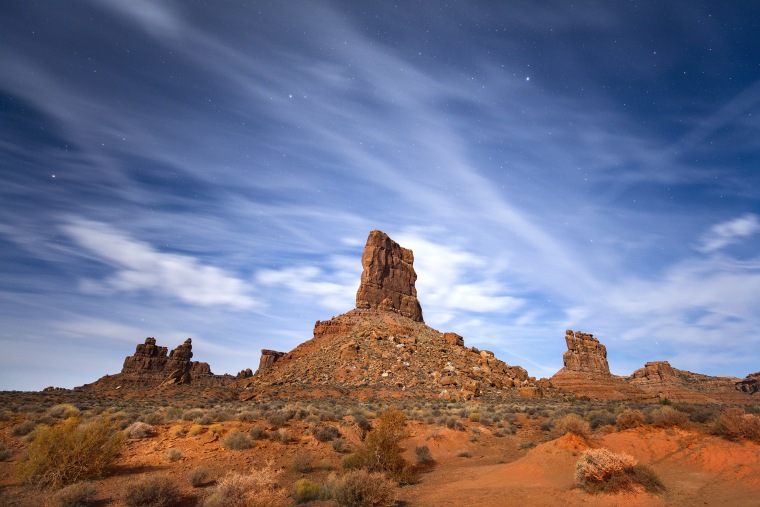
[5,452]
[257,432]
[172,455]
[23,428]
[360,488]
[325,433]
[71,451]
[151,491]
[422,455]
[63,411]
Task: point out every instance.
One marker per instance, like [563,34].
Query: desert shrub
[302,462]
[599,418]
[339,445]
[193,414]
[667,417]
[352,461]
[257,432]
[178,431]
[422,455]
[305,490]
[71,451]
[601,470]
[257,489]
[325,433]
[172,455]
[138,430]
[527,445]
[454,424]
[463,454]
[276,419]
[735,423]
[24,428]
[282,435]
[153,418]
[474,417]
[151,491]
[216,429]
[5,453]
[360,488]
[362,422]
[573,423]
[198,476]
[547,425]
[382,447]
[80,494]
[63,411]
[630,419]
[236,441]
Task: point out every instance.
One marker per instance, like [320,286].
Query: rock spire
[388,278]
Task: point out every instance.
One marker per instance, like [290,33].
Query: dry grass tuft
[735,424]
[603,471]
[256,489]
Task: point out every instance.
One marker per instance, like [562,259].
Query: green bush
[151,491]
[305,490]
[71,451]
[382,448]
[360,488]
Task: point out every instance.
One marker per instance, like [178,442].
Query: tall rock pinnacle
[388,278]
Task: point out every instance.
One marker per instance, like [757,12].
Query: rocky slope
[663,380]
[383,348]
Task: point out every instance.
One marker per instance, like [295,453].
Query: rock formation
[664,381]
[388,278]
[585,353]
[587,373]
[152,365]
[749,385]
[383,348]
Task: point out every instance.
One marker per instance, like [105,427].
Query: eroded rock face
[388,278]
[268,358]
[150,363]
[749,385]
[585,353]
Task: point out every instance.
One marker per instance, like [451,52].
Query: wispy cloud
[729,232]
[140,267]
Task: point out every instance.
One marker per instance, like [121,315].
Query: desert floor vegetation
[71,448]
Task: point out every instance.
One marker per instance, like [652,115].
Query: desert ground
[483,452]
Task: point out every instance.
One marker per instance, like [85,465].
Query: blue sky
[176,169]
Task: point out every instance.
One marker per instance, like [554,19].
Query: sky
[212,170]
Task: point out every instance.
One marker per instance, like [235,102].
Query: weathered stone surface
[749,385]
[453,339]
[388,278]
[531,392]
[268,358]
[585,353]
[665,381]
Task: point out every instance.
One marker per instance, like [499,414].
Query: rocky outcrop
[749,385]
[665,381]
[388,278]
[585,354]
[268,358]
[587,373]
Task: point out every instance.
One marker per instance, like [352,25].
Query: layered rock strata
[388,278]
[664,381]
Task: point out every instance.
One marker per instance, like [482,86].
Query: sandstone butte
[383,348]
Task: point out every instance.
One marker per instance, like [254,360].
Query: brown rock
[585,353]
[531,392]
[388,278]
[268,358]
[749,385]
[453,339]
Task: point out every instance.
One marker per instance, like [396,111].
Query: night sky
[212,170]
